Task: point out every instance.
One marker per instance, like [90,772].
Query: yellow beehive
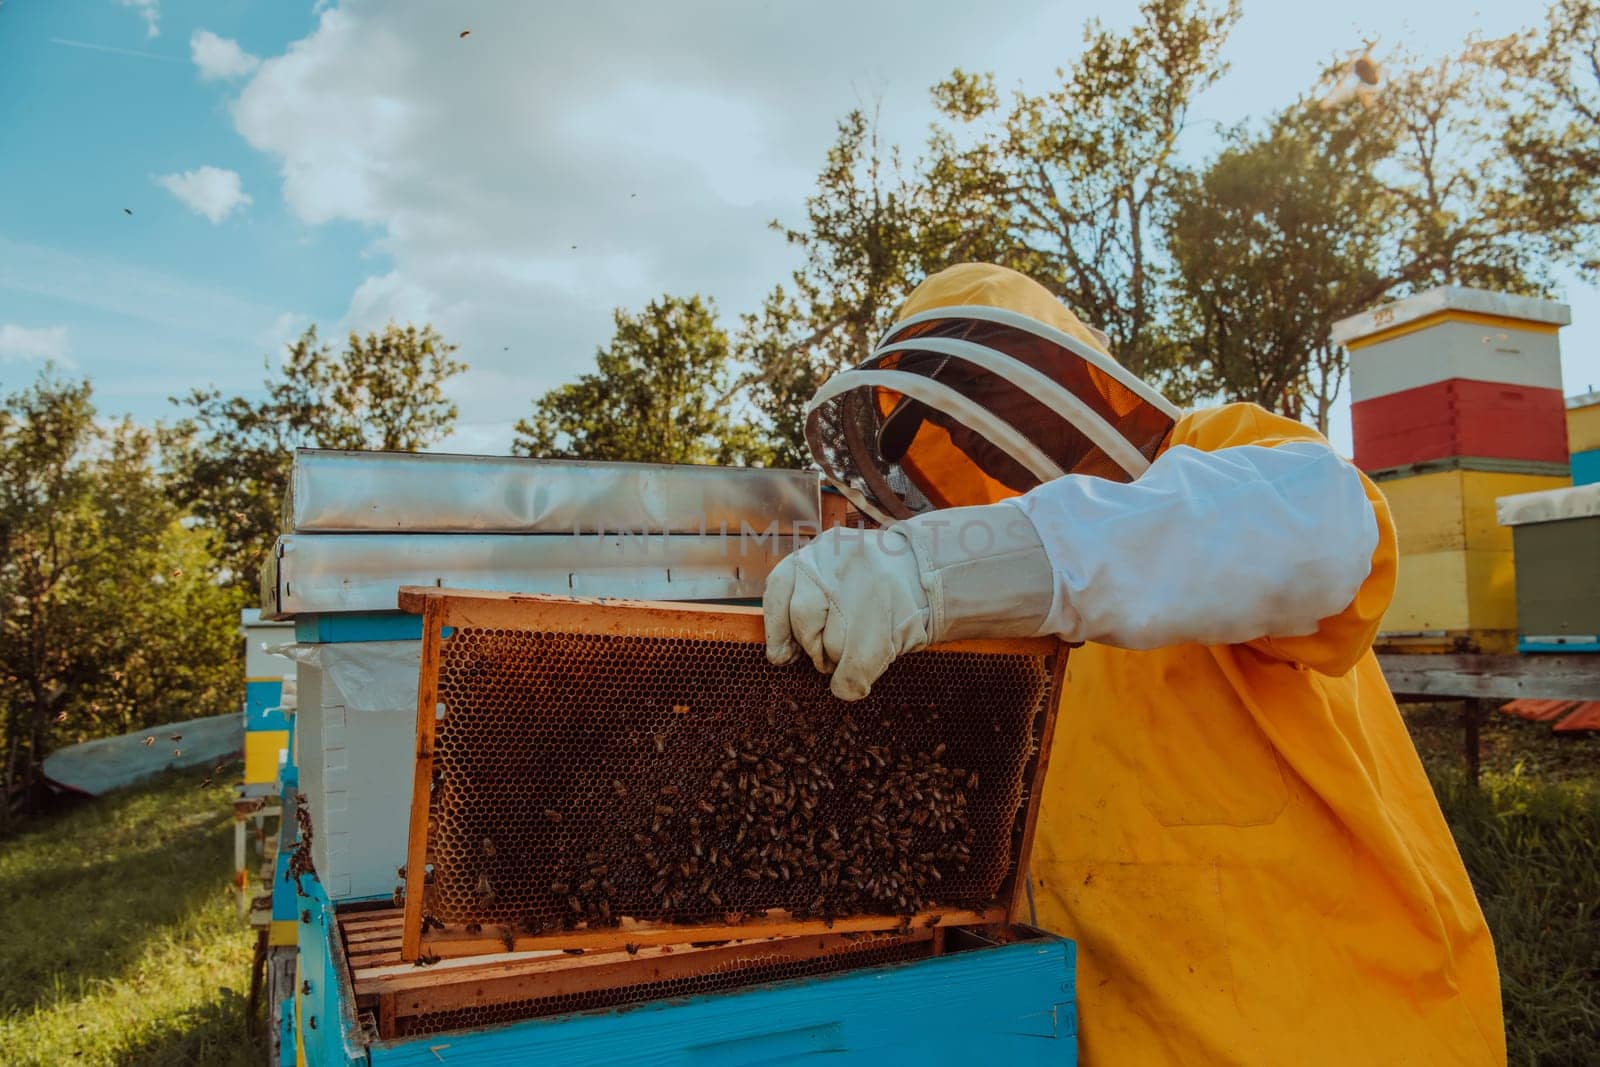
[1583,423]
[1456,579]
[1454,510]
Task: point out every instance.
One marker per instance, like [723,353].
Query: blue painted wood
[328,1029]
[360,626]
[1010,1005]
[286,1055]
[1525,645]
[1586,467]
[263,702]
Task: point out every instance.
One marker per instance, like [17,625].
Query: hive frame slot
[446,610]
[400,996]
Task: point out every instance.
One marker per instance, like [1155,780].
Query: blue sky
[513,187]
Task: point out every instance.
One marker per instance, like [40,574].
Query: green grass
[119,943]
[1530,848]
[119,940]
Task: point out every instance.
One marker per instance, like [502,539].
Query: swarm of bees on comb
[867,827]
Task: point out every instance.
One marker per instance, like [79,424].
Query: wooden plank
[589,615]
[451,942]
[473,988]
[1034,785]
[1544,677]
[422,779]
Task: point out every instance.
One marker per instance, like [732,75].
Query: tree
[1280,236]
[230,456]
[871,232]
[1549,91]
[1080,177]
[113,616]
[658,394]
[1069,186]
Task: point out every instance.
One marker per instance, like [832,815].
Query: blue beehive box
[952,981]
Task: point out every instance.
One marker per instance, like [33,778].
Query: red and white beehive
[1456,400]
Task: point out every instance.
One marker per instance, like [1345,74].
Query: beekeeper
[1234,827]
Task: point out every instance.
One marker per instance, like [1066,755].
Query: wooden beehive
[568,751]
[1583,437]
[1456,400]
[1557,538]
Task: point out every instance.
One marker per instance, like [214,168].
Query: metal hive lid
[334,491]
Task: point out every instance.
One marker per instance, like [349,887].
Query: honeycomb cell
[582,778]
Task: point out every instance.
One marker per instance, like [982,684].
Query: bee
[488,848]
[177,752]
[661,743]
[633,950]
[427,959]
[204,782]
[618,788]
[61,717]
[149,741]
[399,896]
[669,790]
[573,951]
[485,890]
[552,814]
[430,923]
[560,889]
[664,810]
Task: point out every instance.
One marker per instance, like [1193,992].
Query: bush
[1530,848]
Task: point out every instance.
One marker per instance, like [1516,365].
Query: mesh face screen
[759,967]
[581,778]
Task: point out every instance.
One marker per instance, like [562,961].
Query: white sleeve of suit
[1211,547]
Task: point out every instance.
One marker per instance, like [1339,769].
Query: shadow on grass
[71,918]
[213,1034]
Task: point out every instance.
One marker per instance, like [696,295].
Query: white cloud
[149,11]
[220,58]
[42,343]
[209,191]
[566,160]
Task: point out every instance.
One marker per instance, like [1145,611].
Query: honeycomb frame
[551,730]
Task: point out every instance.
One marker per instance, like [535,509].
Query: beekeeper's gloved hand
[854,600]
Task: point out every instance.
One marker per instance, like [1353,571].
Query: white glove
[854,600]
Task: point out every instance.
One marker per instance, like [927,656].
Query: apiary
[623,805]
[359,525]
[1456,400]
[1557,539]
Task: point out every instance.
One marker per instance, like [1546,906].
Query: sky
[185,185]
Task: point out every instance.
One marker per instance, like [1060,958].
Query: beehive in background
[1583,437]
[268,693]
[1557,537]
[1456,400]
